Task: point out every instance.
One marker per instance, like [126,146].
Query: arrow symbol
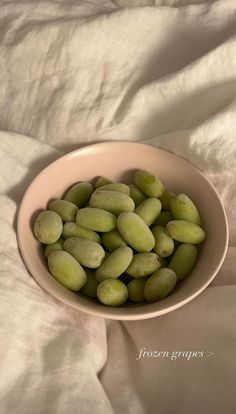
[209,354]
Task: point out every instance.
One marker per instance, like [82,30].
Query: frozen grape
[88,253]
[136,289]
[90,287]
[163,218]
[182,208]
[66,270]
[185,232]
[96,219]
[159,284]
[120,187]
[164,245]
[143,264]
[135,232]
[183,260]
[115,264]
[137,195]
[58,245]
[148,183]
[71,229]
[102,181]
[149,210]
[112,292]
[165,199]
[79,193]
[113,201]
[48,227]
[66,210]
[112,240]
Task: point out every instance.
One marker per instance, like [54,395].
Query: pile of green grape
[115,242]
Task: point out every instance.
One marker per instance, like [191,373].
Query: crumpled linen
[77,72]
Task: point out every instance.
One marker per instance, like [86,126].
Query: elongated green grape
[143,264]
[71,229]
[163,218]
[58,245]
[66,210]
[165,199]
[115,264]
[96,219]
[183,260]
[113,201]
[137,196]
[185,232]
[136,289]
[88,253]
[148,183]
[149,210]
[102,181]
[164,245]
[120,187]
[135,232]
[112,240]
[112,292]
[48,227]
[79,193]
[66,270]
[160,284]
[90,287]
[182,208]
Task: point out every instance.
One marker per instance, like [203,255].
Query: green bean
[115,264]
[135,232]
[148,183]
[71,229]
[143,264]
[164,244]
[185,232]
[79,193]
[160,284]
[149,210]
[48,227]
[183,260]
[182,208]
[112,292]
[96,219]
[66,270]
[136,289]
[113,201]
[87,252]
[112,240]
[66,210]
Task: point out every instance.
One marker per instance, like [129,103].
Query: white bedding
[76,72]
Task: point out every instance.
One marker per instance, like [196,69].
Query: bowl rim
[103,312]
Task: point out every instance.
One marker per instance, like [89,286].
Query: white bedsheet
[76,72]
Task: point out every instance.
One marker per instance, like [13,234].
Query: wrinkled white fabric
[75,72]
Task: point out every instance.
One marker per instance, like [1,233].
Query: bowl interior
[118,161]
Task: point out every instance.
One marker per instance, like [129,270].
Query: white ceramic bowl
[117,161]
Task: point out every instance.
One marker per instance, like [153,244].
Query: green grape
[112,292]
[48,227]
[66,270]
[87,252]
[115,264]
[159,284]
